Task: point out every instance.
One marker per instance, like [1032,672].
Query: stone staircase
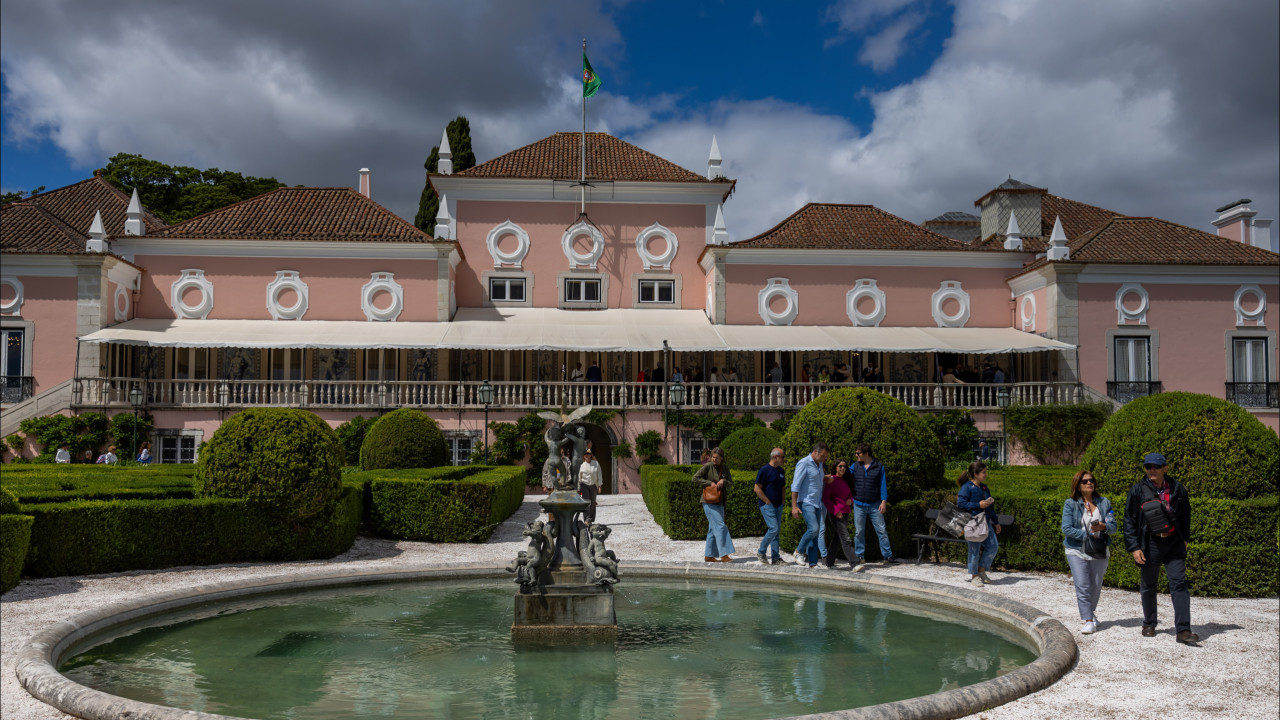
[50,402]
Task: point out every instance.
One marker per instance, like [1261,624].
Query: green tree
[176,193]
[459,132]
[6,198]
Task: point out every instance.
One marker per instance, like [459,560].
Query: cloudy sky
[1145,107]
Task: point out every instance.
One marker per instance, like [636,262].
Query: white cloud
[882,50]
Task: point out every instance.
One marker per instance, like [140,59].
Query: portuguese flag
[590,81]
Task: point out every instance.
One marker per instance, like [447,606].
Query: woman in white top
[589,484]
[1087,515]
[63,456]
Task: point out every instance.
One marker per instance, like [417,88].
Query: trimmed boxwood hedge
[748,448]
[672,497]
[404,438]
[446,504]
[44,483]
[95,536]
[15,536]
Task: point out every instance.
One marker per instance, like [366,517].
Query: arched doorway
[602,447]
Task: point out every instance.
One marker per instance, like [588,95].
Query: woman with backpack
[1087,522]
[975,498]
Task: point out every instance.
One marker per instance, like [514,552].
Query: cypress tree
[459,132]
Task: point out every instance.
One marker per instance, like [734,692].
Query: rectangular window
[581,290]
[460,447]
[382,364]
[506,289]
[11,353]
[286,364]
[177,449]
[696,446]
[657,291]
[1133,359]
[191,363]
[1250,376]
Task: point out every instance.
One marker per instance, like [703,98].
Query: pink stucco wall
[546,223]
[1192,320]
[50,303]
[334,285]
[908,293]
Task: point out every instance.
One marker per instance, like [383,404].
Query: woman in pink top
[838,500]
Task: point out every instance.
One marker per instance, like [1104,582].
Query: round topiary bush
[898,436]
[1215,448]
[403,438]
[748,448]
[285,459]
[8,502]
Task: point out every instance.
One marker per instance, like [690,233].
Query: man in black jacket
[1157,528]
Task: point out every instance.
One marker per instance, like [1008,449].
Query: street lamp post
[1002,401]
[135,399]
[485,394]
[676,393]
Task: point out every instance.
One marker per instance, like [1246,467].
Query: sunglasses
[1150,466]
[1088,481]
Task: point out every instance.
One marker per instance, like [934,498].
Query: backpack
[1157,516]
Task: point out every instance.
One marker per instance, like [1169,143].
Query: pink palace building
[539,292]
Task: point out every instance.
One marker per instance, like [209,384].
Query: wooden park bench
[935,535]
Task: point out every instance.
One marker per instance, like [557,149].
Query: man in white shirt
[577,375]
[589,484]
[63,456]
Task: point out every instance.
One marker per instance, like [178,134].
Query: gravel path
[1235,673]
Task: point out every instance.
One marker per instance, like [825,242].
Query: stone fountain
[566,575]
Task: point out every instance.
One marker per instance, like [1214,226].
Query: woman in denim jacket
[974,498]
[1086,513]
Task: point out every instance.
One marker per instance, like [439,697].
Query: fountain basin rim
[38,658]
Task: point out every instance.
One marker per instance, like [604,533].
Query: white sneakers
[1089,627]
[976,580]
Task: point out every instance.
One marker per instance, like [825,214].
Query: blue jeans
[860,515]
[815,530]
[773,520]
[718,541]
[982,555]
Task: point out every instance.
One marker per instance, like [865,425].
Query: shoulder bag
[1157,516]
[976,529]
[711,494]
[950,519]
[1096,547]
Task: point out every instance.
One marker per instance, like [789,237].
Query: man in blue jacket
[1157,528]
[870,500]
[806,502]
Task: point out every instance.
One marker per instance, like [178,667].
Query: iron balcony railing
[1254,394]
[519,395]
[1123,392]
[16,388]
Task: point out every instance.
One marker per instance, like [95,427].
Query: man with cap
[1157,528]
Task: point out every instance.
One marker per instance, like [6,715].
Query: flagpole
[582,151]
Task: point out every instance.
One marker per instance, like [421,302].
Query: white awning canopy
[553,329]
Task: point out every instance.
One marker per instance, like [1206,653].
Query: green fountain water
[436,650]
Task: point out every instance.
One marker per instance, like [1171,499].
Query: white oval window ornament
[1027,311]
[121,303]
[1137,314]
[779,287]
[951,290]
[192,279]
[663,259]
[865,288]
[1253,295]
[13,304]
[515,257]
[287,280]
[575,231]
[384,282]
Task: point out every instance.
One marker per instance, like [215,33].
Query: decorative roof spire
[446,155]
[97,235]
[719,233]
[1012,235]
[444,221]
[713,161]
[133,224]
[1058,249]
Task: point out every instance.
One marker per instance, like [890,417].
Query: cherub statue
[575,435]
[601,563]
[529,563]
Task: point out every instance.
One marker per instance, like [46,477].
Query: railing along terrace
[522,395]
[16,388]
[1254,394]
[1123,392]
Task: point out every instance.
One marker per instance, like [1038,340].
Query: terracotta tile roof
[608,158]
[955,217]
[1077,219]
[826,226]
[28,228]
[290,213]
[1009,186]
[76,204]
[1152,241]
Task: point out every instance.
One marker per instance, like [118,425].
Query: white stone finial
[133,224]
[1012,234]
[444,221]
[1058,242]
[97,234]
[719,233]
[713,161]
[446,155]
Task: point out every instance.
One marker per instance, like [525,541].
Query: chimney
[97,235]
[1236,221]
[133,224]
[714,170]
[365,188]
[445,166]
